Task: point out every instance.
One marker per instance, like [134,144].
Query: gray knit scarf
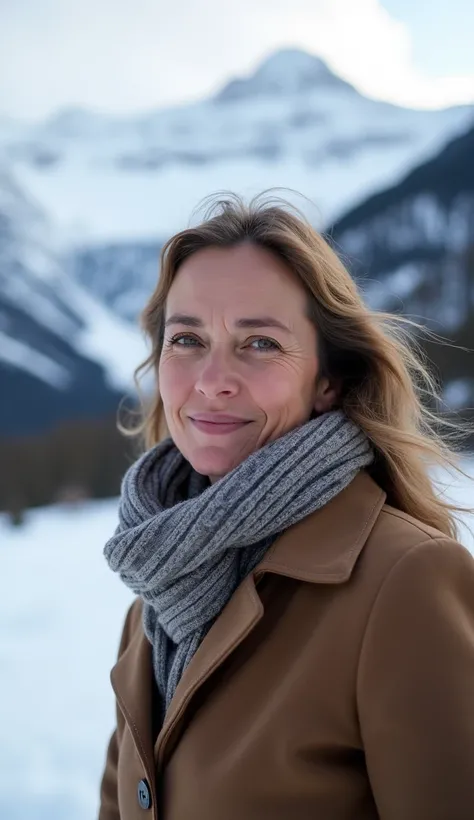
[185,545]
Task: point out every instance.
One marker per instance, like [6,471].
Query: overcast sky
[123,56]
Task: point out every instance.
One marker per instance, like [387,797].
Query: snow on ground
[61,614]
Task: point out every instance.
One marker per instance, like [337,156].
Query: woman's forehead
[244,273]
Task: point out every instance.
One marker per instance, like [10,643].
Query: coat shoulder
[396,533]
[397,518]
[405,529]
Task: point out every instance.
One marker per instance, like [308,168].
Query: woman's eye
[183,340]
[264,344]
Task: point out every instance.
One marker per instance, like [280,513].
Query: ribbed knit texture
[185,545]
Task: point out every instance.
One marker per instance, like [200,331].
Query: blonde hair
[386,383]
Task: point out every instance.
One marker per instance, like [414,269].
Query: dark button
[144,795]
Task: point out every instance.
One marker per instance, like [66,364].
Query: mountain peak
[292,62]
[288,71]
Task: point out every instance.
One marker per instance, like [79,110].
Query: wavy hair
[387,387]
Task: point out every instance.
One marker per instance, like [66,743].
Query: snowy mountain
[412,248]
[117,187]
[289,72]
[292,123]
[121,274]
[62,354]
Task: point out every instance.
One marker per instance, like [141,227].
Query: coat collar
[322,548]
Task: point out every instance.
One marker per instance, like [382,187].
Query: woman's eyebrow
[183,319]
[250,322]
[262,321]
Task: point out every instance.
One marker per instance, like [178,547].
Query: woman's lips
[218,427]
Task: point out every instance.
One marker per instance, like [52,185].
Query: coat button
[144,795]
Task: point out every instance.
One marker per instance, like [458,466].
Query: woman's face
[239,365]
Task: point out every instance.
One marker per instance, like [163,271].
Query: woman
[302,641]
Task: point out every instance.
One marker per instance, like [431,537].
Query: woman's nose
[216,378]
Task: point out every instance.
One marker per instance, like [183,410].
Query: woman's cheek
[170,383]
[174,372]
[267,389]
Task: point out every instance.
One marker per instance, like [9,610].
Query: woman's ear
[326,395]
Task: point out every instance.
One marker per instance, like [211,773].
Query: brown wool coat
[337,684]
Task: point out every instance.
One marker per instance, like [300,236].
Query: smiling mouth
[218,427]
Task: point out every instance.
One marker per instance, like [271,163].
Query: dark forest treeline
[76,460]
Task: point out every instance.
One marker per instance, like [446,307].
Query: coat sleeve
[416,686]
[108,808]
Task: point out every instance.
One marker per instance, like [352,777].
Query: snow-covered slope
[292,124]
[412,248]
[419,232]
[62,354]
[121,274]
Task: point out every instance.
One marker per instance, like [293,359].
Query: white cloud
[367,46]
[117,55]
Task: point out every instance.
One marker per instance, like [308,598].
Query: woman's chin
[214,461]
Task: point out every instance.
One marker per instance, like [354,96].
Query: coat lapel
[240,615]
[131,679]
